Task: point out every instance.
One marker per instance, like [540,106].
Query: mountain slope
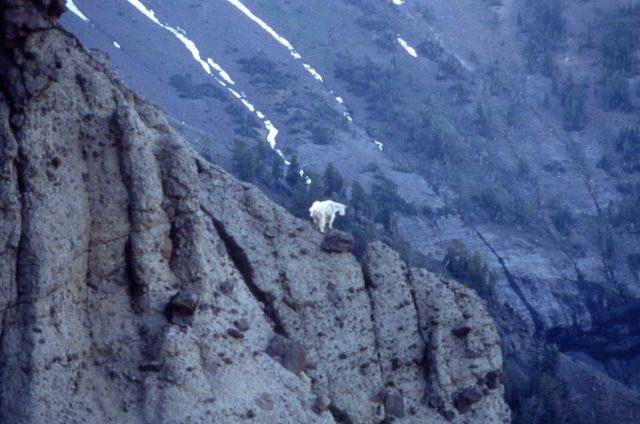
[142,284]
[506,125]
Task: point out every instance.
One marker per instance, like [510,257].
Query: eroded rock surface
[418,318]
[141,284]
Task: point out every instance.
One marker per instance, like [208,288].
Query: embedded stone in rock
[321,404]
[461,331]
[338,242]
[447,414]
[289,353]
[226,286]
[151,366]
[235,333]
[271,232]
[394,404]
[379,395]
[181,307]
[184,302]
[494,379]
[241,324]
[17,120]
[265,402]
[466,398]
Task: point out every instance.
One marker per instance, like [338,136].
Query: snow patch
[235,93]
[225,76]
[248,105]
[313,72]
[73,8]
[116,45]
[273,133]
[379,144]
[191,46]
[280,39]
[181,35]
[398,2]
[407,47]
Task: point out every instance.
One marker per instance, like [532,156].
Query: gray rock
[226,286]
[289,353]
[242,324]
[181,307]
[321,404]
[184,302]
[337,241]
[463,400]
[394,404]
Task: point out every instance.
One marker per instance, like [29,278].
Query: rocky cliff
[141,284]
[511,128]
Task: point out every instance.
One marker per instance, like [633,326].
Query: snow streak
[407,47]
[292,51]
[280,39]
[225,79]
[72,7]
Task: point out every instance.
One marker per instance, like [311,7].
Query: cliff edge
[141,284]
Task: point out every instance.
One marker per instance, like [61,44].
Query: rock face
[417,317]
[141,284]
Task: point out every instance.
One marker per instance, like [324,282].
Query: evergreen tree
[293,173]
[333,181]
[300,199]
[362,205]
[573,99]
[245,163]
[277,167]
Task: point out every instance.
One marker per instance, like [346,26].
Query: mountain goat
[324,212]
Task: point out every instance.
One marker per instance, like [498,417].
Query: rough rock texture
[423,353]
[338,241]
[140,284]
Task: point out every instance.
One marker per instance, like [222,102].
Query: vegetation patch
[187,89]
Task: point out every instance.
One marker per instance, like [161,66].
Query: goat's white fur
[324,212]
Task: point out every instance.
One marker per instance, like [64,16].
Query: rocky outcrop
[141,284]
[436,341]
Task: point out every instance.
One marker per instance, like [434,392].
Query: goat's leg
[331,218]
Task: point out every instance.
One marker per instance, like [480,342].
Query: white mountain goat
[324,212]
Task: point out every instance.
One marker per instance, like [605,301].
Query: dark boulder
[338,242]
[463,400]
[181,307]
[461,331]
